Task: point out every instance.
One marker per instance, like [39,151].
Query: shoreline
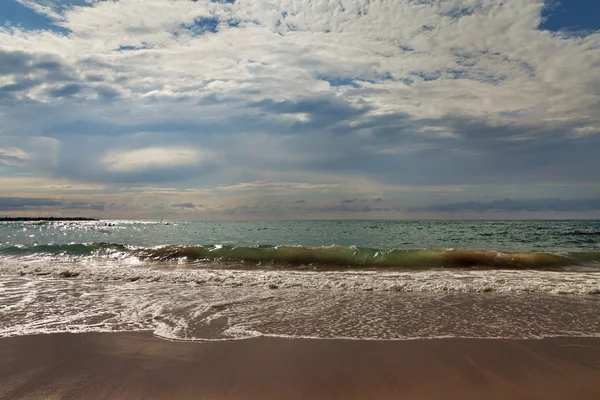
[139,365]
[282,337]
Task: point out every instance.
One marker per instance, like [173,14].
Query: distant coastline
[41,219]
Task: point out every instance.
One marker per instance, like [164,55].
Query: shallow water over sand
[192,312]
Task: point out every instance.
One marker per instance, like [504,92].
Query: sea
[354,280]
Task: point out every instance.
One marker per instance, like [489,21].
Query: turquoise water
[375,280]
[541,236]
[402,244]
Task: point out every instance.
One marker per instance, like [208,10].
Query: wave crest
[330,256]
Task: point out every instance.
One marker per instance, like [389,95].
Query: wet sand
[139,366]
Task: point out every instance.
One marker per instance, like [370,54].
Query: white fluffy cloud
[13,156]
[388,93]
[428,59]
[154,158]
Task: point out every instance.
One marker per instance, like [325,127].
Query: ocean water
[374,280]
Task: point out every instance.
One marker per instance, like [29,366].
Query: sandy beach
[140,366]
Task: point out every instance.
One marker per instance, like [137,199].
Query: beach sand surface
[140,366]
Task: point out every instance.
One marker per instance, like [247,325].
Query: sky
[300,109]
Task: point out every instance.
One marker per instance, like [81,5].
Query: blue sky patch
[203,25]
[338,81]
[427,76]
[571,15]
[16,14]
[458,13]
[131,48]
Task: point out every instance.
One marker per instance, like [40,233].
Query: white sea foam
[178,302]
[184,311]
[435,280]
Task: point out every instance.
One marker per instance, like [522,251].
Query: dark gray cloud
[323,112]
[13,62]
[187,205]
[79,205]
[183,205]
[534,205]
[22,64]
[31,70]
[395,150]
[106,93]
[20,203]
[478,153]
[25,203]
[346,208]
[282,209]
[66,91]
[19,86]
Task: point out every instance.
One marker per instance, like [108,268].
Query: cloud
[13,156]
[66,90]
[260,185]
[78,205]
[37,184]
[46,8]
[154,158]
[18,203]
[366,98]
[275,210]
[533,205]
[188,205]
[28,203]
[43,76]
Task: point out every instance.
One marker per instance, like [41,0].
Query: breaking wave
[315,257]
